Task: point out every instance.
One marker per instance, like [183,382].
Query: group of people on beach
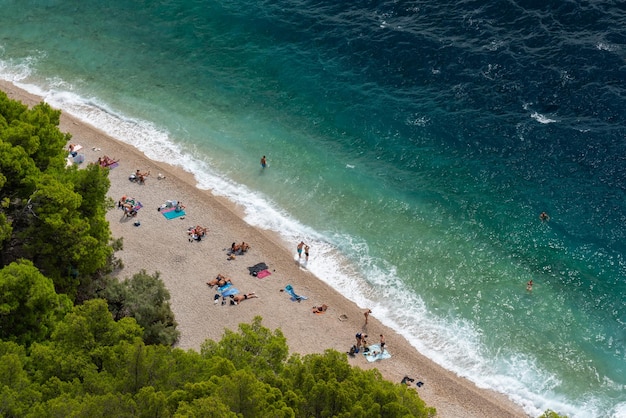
[361,343]
[235,299]
[196,233]
[106,161]
[139,176]
[129,205]
[237,249]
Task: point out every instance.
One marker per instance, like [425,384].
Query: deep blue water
[413,143]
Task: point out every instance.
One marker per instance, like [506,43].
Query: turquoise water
[413,144]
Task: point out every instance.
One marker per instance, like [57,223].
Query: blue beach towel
[223,288]
[173,214]
[294,297]
[374,353]
[230,291]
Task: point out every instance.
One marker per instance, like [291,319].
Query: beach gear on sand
[263,273]
[254,270]
[172,213]
[374,353]
[294,297]
[230,291]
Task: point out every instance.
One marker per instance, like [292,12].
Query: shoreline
[162,245]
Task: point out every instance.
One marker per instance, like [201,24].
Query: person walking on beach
[299,248]
[366,314]
[306,253]
[382,343]
[263,162]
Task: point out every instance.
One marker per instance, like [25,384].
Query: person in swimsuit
[529,285]
[306,253]
[219,281]
[320,309]
[406,380]
[382,343]
[544,217]
[141,177]
[300,246]
[367,314]
[235,299]
[263,162]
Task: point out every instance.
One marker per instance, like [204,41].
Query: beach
[162,245]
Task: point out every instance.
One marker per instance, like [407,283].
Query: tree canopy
[29,306]
[93,365]
[145,298]
[49,214]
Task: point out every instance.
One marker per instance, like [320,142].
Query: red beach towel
[263,273]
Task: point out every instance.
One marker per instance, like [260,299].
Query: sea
[413,146]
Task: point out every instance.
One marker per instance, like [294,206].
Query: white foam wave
[603,46]
[541,118]
[619,411]
[14,70]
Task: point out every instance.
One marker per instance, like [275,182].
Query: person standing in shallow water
[263,162]
[299,248]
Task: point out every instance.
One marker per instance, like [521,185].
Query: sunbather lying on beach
[74,148]
[106,161]
[129,210]
[320,309]
[220,280]
[235,299]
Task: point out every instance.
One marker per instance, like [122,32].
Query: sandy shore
[162,245]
